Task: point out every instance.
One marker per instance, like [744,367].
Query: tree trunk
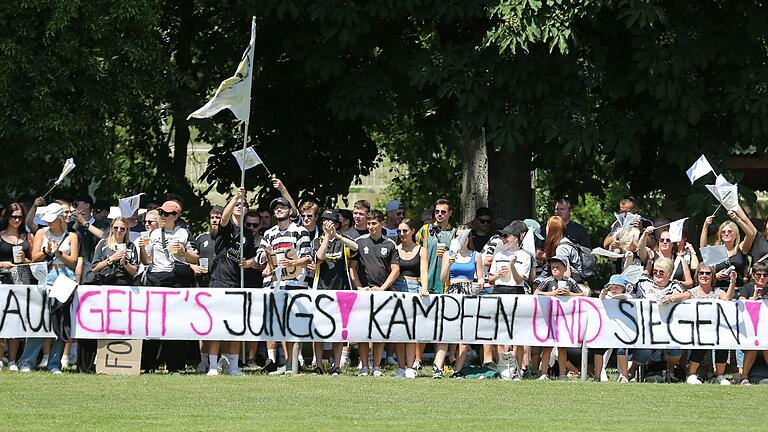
[180,146]
[474,173]
[509,186]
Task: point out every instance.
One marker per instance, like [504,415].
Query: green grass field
[40,401]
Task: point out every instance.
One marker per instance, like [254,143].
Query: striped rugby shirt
[293,236]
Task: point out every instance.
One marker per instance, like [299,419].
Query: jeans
[32,346]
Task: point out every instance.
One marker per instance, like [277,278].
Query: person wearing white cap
[60,248]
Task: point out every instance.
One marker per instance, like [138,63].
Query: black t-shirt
[225,269]
[739,263]
[748,290]
[759,248]
[479,241]
[333,272]
[374,258]
[206,248]
[355,233]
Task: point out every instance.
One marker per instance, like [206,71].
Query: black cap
[83,197]
[330,214]
[277,201]
[512,229]
[100,205]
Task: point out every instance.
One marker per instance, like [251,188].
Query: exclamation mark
[346,301]
[753,309]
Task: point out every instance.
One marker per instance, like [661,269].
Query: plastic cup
[16,251]
[121,247]
[204,264]
[562,284]
[279,257]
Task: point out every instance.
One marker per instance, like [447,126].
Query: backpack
[588,263]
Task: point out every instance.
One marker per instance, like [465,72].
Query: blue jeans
[644,355]
[32,346]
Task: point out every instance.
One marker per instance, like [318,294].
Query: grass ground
[40,401]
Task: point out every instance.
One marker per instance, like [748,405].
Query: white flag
[129,205]
[62,288]
[234,92]
[699,169]
[676,230]
[69,165]
[529,245]
[247,159]
[714,255]
[633,273]
[726,193]
[39,271]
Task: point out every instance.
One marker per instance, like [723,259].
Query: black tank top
[411,267]
[739,262]
[6,249]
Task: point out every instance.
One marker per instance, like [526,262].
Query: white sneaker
[25,370]
[56,372]
[622,379]
[722,380]
[542,377]
[745,381]
[213,372]
[400,373]
[507,365]
[301,361]
[692,379]
[416,365]
[12,367]
[410,373]
[344,361]
[224,365]
[44,362]
[64,361]
[363,372]
[377,373]
[280,371]
[604,376]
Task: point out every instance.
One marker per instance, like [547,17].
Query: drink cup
[279,257]
[121,247]
[441,248]
[204,264]
[561,284]
[16,251]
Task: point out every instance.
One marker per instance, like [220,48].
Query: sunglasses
[119,229]
[659,272]
[484,221]
[665,240]
[17,218]
[705,273]
[165,213]
[760,274]
[441,211]
[252,225]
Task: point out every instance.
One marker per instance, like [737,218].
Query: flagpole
[49,190]
[245,145]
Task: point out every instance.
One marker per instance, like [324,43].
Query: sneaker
[526,374]
[745,381]
[44,362]
[202,367]
[410,373]
[622,379]
[344,361]
[543,377]
[336,372]
[416,365]
[457,375]
[12,367]
[269,366]
[213,372]
[279,371]
[692,379]
[64,361]
[318,370]
[363,372]
[301,361]
[251,364]
[224,365]
[25,370]
[437,373]
[377,373]
[507,365]
[400,373]
[56,372]
[604,376]
[722,380]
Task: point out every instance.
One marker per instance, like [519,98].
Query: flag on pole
[726,193]
[699,169]
[676,230]
[69,165]
[129,205]
[234,92]
[247,158]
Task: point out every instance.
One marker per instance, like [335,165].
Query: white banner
[112,312]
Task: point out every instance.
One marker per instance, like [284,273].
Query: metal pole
[251,47]
[584,361]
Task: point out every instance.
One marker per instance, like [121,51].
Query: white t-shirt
[504,257]
[162,258]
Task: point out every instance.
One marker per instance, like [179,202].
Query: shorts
[510,290]
[466,288]
[406,285]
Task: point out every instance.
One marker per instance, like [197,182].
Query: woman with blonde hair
[728,235]
[115,260]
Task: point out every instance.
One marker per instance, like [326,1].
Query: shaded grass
[38,401]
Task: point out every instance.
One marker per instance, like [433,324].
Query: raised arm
[705,230]
[746,225]
[278,184]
